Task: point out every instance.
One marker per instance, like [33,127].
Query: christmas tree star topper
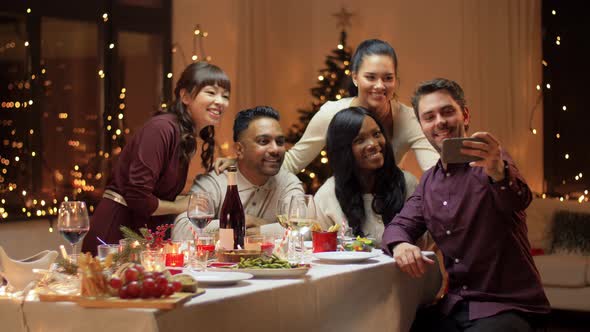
[343,17]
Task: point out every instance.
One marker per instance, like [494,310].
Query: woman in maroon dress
[151,171]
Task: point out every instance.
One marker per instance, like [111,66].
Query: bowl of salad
[359,244]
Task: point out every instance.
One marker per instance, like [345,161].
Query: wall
[24,239]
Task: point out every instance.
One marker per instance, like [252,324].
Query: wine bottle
[231,216]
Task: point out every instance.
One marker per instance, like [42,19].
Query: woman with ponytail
[151,171]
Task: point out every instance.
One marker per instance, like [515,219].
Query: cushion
[563,270]
[540,214]
[571,232]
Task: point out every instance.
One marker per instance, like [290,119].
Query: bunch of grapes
[136,283]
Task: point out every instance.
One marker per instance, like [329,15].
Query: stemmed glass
[200,210]
[283,220]
[73,222]
[302,214]
[283,211]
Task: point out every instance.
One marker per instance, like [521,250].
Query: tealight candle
[175,260]
[174,257]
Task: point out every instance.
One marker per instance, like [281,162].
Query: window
[565,72]
[73,85]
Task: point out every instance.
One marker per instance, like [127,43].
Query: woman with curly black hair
[151,170]
[367,188]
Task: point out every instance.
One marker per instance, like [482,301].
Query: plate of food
[359,244]
[345,256]
[268,267]
[219,278]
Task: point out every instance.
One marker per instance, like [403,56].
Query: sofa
[559,236]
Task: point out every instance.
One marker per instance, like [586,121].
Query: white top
[258,201]
[329,211]
[407,134]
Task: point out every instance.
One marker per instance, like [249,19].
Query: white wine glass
[302,214]
[201,210]
[283,211]
[73,222]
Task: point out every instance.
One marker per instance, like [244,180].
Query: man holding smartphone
[475,214]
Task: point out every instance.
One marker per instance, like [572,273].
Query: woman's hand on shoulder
[221,164]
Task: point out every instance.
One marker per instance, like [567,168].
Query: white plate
[308,244]
[271,273]
[219,278]
[345,256]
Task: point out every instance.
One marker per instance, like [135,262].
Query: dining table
[372,295]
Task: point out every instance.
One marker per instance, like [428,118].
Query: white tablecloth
[370,296]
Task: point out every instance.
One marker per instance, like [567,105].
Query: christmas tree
[333,84]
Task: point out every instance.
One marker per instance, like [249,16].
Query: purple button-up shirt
[481,230]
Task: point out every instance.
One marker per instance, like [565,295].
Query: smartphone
[451,150]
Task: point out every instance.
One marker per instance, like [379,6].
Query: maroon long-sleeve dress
[148,169]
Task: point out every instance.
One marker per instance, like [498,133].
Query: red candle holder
[324,241]
[175,259]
